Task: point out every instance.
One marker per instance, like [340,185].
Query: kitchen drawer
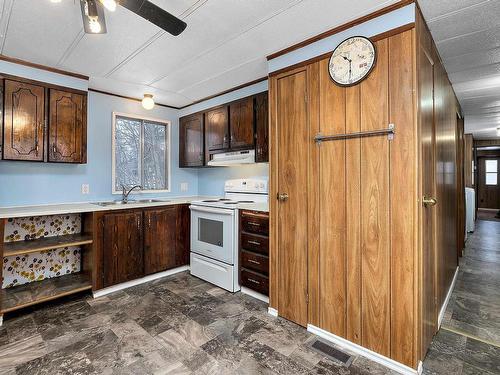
[255,282]
[255,262]
[255,223]
[255,243]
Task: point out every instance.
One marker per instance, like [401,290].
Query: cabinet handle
[254,242]
[54,149]
[253,261]
[254,281]
[37,148]
[254,224]
[138,223]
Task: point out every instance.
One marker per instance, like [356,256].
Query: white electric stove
[214,231]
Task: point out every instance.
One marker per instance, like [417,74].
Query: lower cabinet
[254,251]
[141,242]
[123,257]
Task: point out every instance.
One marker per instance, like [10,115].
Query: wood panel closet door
[67,127]
[429,307]
[24,121]
[293,142]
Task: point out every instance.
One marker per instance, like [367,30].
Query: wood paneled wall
[468,159]
[362,203]
[443,256]
[364,217]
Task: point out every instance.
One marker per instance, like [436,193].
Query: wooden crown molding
[42,67]
[338,29]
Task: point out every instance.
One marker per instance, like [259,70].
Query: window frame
[168,153]
[486,173]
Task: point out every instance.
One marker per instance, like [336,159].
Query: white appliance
[470,210]
[232,158]
[214,232]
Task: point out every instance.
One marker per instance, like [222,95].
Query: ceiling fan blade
[155,15]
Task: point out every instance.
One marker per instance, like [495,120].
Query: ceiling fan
[95,23]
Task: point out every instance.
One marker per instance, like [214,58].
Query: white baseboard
[272,311]
[357,349]
[254,294]
[129,284]
[420,368]
[447,299]
[1,320]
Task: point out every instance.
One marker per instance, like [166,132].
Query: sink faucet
[125,192]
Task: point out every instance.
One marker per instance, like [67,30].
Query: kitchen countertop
[73,208]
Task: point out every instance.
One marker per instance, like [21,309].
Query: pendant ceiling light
[148,102]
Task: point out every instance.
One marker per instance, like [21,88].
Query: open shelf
[47,243]
[41,291]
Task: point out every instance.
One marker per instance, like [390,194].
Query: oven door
[212,233]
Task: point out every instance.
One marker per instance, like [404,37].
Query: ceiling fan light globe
[148,102]
[109,4]
[94,25]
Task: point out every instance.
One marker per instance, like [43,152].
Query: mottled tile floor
[469,339]
[175,325]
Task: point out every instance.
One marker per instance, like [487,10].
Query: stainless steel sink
[151,201]
[130,201]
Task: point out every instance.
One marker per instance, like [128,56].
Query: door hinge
[307,298]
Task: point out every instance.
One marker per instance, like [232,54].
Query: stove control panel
[246,186]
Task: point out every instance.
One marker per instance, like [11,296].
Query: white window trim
[168,124]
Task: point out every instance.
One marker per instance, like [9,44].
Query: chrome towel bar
[390,131]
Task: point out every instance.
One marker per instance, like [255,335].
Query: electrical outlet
[85,188]
[184,186]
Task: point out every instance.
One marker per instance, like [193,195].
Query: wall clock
[352,61]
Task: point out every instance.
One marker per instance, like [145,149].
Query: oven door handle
[212,210]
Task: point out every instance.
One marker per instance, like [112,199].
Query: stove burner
[210,201]
[230,202]
[246,202]
[224,199]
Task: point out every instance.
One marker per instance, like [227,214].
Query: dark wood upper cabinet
[122,247]
[160,239]
[241,122]
[67,127]
[191,151]
[217,128]
[24,117]
[262,128]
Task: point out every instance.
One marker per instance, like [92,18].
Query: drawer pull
[254,281]
[254,224]
[254,242]
[253,261]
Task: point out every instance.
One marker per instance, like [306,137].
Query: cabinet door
[24,121]
[241,124]
[261,128]
[191,141]
[159,239]
[217,129]
[183,231]
[67,127]
[122,247]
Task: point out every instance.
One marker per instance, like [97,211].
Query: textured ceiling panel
[475,73]
[436,8]
[473,60]
[200,37]
[97,54]
[41,31]
[480,17]
[481,41]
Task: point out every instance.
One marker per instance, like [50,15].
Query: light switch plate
[85,188]
[184,186]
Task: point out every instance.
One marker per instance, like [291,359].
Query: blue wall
[24,183]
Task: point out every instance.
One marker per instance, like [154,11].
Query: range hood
[232,158]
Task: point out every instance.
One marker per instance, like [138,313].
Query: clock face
[352,61]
